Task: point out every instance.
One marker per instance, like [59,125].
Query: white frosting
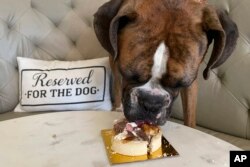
[132,124]
[124,134]
[121,136]
[133,132]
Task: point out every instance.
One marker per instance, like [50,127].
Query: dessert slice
[135,138]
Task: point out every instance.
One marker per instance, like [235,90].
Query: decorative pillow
[63,85]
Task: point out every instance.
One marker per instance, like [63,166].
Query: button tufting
[32,5]
[55,24]
[87,22]
[221,77]
[73,42]
[9,25]
[35,44]
[72,5]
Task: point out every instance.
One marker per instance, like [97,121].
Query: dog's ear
[220,28]
[108,20]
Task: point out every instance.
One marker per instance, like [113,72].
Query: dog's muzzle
[148,104]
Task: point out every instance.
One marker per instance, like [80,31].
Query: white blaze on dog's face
[152,97]
[159,68]
[160,61]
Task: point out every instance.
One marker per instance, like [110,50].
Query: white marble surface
[73,139]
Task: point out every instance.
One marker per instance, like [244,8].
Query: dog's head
[158,46]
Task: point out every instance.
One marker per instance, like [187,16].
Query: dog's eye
[138,79]
[125,20]
[134,76]
[176,83]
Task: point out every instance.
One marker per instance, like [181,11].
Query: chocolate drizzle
[142,135]
[120,126]
[142,131]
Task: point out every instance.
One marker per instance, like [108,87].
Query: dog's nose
[153,102]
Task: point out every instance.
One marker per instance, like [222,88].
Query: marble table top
[73,139]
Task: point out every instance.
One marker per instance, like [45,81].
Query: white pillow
[63,85]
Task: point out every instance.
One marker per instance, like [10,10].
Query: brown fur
[165,21]
[187,28]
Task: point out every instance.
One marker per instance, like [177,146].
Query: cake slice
[135,138]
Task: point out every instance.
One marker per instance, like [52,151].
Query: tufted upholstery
[62,29]
[43,29]
[224,100]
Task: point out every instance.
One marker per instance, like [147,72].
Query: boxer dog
[156,48]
